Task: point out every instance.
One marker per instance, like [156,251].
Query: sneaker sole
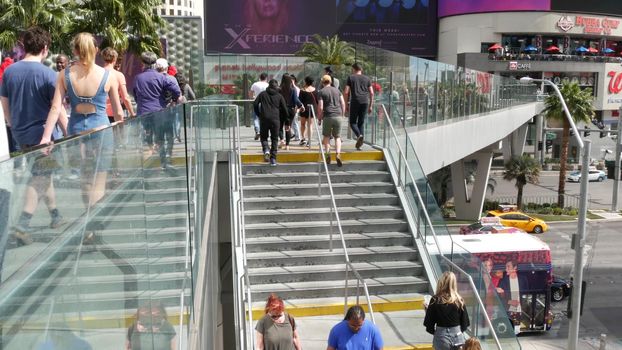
[339,162]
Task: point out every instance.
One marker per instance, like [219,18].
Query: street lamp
[573,335]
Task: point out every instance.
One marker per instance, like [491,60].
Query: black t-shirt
[359,88]
[445,315]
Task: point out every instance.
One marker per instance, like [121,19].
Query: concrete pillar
[468,206]
[514,143]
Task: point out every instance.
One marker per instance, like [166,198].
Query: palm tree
[125,25]
[579,104]
[523,169]
[19,15]
[328,50]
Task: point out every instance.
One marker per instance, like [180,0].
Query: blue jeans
[97,148]
[445,337]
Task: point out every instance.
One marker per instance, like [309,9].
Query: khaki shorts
[331,126]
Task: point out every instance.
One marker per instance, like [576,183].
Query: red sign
[594,25]
[615,82]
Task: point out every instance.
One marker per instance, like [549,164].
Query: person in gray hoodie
[271,107]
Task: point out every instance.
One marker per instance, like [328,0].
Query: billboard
[282,26]
[460,7]
[604,7]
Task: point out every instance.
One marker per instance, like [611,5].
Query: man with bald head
[61,62]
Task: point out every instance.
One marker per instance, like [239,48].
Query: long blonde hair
[85,47]
[447,290]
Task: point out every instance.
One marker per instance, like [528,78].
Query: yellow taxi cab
[511,216]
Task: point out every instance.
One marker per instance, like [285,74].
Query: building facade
[180,8]
[556,46]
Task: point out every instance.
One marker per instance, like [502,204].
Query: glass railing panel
[121,243]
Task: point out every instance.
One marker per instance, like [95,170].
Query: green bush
[571,211]
[558,211]
[545,210]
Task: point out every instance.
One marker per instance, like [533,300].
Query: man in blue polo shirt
[355,333]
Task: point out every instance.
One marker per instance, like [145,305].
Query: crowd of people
[446,319]
[277,107]
[41,105]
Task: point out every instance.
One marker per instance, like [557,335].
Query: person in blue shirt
[26,95]
[355,333]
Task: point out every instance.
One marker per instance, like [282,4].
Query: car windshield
[575,173]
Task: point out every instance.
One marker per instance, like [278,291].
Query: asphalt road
[603,274]
[600,193]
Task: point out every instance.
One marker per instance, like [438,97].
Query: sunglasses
[274,317]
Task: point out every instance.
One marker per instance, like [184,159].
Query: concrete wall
[443,143]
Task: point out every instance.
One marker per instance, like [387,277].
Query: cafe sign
[514,65]
[589,25]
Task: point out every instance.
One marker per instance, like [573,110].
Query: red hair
[274,304]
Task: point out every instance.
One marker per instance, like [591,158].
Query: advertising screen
[282,26]
[604,7]
[460,7]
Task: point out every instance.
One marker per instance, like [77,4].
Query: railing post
[345,302]
[330,242]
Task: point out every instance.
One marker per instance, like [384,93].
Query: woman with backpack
[276,330]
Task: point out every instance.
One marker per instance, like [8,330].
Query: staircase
[138,256]
[288,235]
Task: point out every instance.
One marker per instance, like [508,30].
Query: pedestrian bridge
[209,238]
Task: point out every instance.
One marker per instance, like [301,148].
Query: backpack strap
[292,322]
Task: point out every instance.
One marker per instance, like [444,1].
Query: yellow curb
[410,347]
[313,157]
[338,309]
[106,322]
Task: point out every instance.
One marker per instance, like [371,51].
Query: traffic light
[586,132]
[549,145]
[539,145]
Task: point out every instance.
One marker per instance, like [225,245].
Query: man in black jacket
[270,106]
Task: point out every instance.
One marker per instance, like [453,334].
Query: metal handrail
[343,241]
[429,222]
[242,230]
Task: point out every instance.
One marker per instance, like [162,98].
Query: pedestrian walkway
[607,215]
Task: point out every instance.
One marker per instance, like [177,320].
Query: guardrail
[333,207]
[403,158]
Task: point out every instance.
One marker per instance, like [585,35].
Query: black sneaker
[273,162]
[359,142]
[339,162]
[257,135]
[266,156]
[327,157]
[303,142]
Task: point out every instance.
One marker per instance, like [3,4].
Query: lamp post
[573,333]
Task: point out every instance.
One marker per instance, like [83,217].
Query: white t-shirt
[259,87]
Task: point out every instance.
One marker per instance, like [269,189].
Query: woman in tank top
[87,86]
[276,330]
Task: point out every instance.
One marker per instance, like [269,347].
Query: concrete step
[138,249]
[332,272]
[315,201]
[142,196]
[335,305]
[353,240]
[287,258]
[310,167]
[312,178]
[71,301]
[122,235]
[316,289]
[310,189]
[139,221]
[322,227]
[317,214]
[85,284]
[99,263]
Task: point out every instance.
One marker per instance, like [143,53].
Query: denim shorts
[98,146]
